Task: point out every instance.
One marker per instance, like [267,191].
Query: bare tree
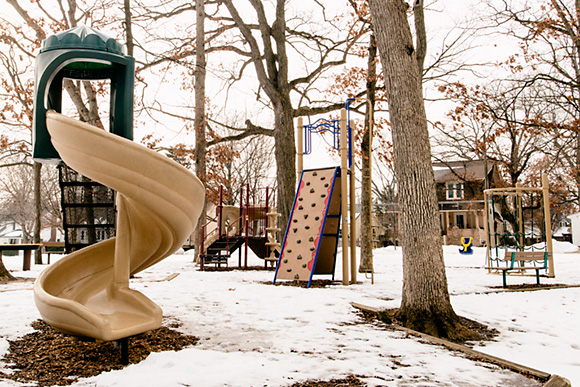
[425,305]
[267,47]
[22,35]
[496,123]
[200,120]
[547,32]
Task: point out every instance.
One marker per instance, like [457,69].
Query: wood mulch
[212,267]
[348,381]
[47,357]
[531,286]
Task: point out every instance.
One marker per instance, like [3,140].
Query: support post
[487,230]
[247,225]
[520,211]
[124,346]
[370,188]
[344,195]
[300,146]
[548,223]
[122,260]
[353,266]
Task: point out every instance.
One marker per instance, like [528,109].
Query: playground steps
[311,239]
[220,250]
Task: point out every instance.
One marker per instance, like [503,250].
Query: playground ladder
[88,210]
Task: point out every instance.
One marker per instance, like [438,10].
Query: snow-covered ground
[256,334]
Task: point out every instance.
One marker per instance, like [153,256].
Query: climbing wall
[311,239]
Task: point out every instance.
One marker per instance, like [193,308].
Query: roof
[461,170]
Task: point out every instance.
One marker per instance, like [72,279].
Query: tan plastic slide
[158,204]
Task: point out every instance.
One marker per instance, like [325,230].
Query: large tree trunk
[285,152]
[366,221]
[199,121]
[425,304]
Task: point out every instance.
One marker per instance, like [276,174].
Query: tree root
[443,325]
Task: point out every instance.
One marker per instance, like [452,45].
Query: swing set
[519,232]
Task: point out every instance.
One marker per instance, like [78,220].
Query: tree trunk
[577,171]
[4,273]
[37,211]
[128,27]
[366,237]
[199,121]
[421,40]
[285,152]
[425,304]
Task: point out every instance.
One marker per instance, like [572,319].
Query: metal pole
[344,194]
[300,146]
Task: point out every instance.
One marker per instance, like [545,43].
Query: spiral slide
[158,204]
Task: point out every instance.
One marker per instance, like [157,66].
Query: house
[562,231]
[575,228]
[379,231]
[11,234]
[460,186]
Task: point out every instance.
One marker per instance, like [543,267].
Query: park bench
[51,247]
[27,248]
[516,261]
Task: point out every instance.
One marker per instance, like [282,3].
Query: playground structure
[321,208]
[87,293]
[252,224]
[518,220]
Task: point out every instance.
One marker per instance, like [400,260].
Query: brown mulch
[233,268]
[488,334]
[304,284]
[530,286]
[48,357]
[13,280]
[348,381]
[388,317]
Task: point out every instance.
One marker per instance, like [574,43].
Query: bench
[539,259]
[216,260]
[27,248]
[52,248]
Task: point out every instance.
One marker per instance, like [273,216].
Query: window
[455,191]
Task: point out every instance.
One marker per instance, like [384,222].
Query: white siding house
[575,228]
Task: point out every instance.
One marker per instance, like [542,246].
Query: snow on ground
[256,334]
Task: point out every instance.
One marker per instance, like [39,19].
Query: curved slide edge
[87,293]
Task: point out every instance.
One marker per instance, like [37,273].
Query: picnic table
[26,247]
